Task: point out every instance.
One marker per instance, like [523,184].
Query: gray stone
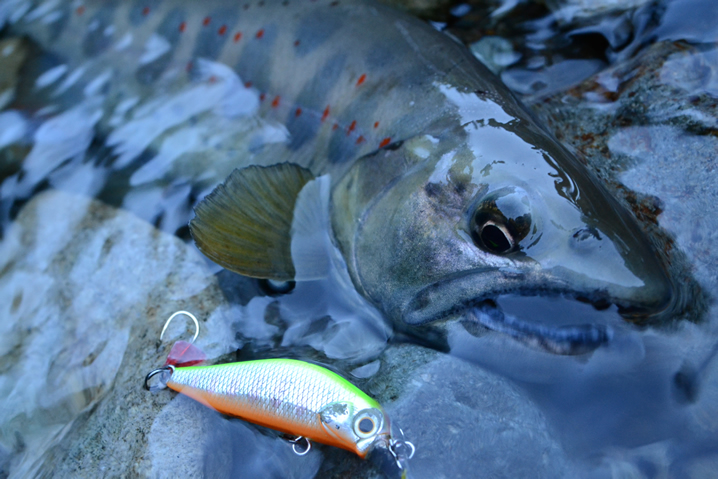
[84,291]
[463,419]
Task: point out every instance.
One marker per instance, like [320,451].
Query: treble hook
[186,313]
[395,448]
[300,452]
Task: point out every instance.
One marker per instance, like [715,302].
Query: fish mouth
[563,340]
[455,298]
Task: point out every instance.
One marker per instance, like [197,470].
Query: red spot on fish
[351,128]
[376,124]
[262,96]
[80,10]
[222,30]
[248,84]
[296,43]
[298,112]
[146,11]
[360,140]
[237,37]
[212,79]
[188,67]
[326,113]
[275,102]
[335,126]
[384,142]
[206,21]
[361,79]
[183,27]
[260,33]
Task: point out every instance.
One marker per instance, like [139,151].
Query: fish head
[495,206]
[354,426]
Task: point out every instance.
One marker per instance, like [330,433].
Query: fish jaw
[413,249]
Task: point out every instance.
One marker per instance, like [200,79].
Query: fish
[445,191]
[291,396]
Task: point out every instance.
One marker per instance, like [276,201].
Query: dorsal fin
[245,224]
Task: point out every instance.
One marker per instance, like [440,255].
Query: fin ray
[245,224]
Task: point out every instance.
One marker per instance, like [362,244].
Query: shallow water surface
[96,253]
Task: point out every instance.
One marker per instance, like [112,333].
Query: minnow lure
[290,396]
[294,397]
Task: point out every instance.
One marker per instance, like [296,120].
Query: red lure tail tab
[184,354]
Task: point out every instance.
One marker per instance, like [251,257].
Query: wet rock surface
[460,416]
[85,289]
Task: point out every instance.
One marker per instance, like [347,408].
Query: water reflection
[637,402]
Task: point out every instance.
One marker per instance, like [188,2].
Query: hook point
[186,313]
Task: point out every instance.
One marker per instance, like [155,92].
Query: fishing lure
[294,397]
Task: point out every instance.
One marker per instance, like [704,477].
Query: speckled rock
[84,291]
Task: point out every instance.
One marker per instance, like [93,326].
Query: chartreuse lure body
[294,397]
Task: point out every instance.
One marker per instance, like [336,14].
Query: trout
[444,190]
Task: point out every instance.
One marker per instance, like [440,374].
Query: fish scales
[283,394]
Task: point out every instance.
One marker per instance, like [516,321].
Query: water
[86,286]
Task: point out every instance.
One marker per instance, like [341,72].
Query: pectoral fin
[245,224]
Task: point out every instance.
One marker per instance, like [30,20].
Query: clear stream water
[72,351]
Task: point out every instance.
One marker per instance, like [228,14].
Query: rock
[188,439]
[463,419]
[13,52]
[84,291]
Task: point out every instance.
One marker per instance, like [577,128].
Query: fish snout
[633,278]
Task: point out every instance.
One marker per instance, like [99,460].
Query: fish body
[445,191]
[290,396]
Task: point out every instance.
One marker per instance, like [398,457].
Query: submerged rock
[464,419]
[13,52]
[84,292]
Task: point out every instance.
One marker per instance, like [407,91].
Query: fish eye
[367,422]
[501,221]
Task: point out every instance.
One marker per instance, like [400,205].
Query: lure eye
[366,425]
[367,422]
[501,221]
